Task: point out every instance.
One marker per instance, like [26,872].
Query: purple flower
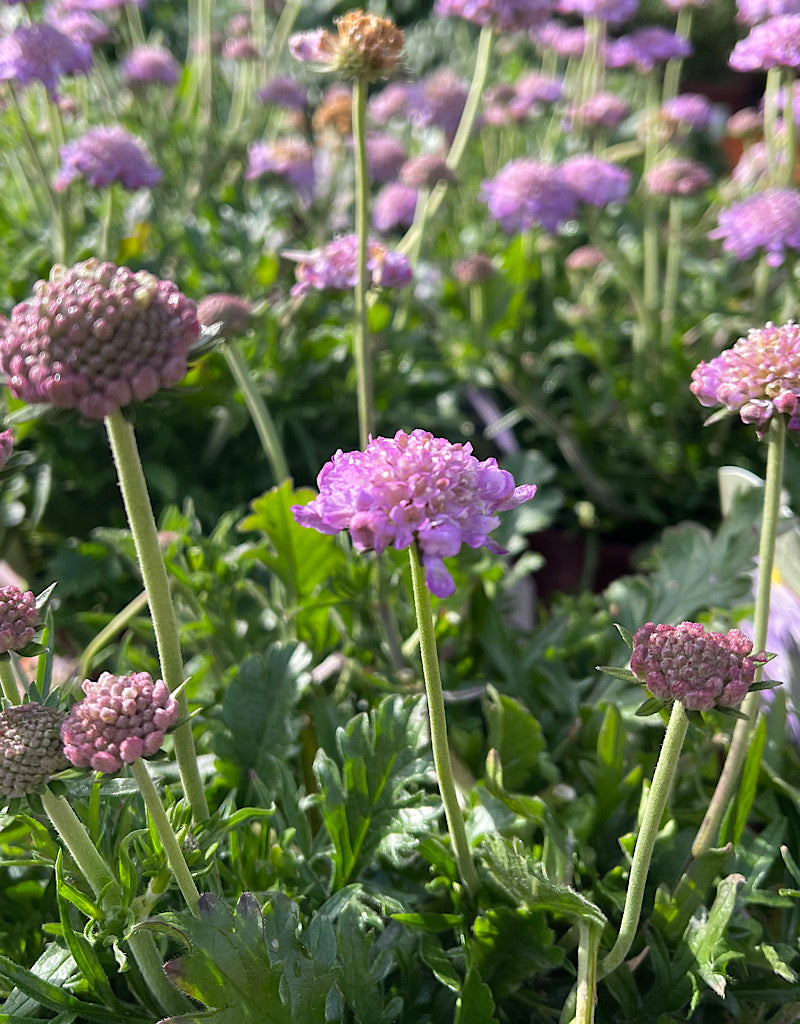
[474,269]
[438,101]
[752,11]
[385,156]
[41,52]
[284,91]
[118,721]
[292,159]
[563,40]
[759,377]
[425,171]
[394,207]
[783,638]
[585,258]
[532,90]
[645,48]
[502,15]
[527,192]
[99,5]
[31,750]
[96,337]
[391,102]
[150,64]
[81,26]
[18,618]
[334,266]
[677,177]
[691,109]
[413,488]
[700,669]
[105,155]
[6,447]
[603,110]
[240,48]
[768,221]
[613,12]
[774,43]
[596,181]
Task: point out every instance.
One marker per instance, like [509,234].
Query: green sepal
[651,706]
[618,673]
[625,634]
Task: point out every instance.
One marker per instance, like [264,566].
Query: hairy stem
[362,343]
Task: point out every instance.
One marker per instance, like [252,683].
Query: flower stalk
[362,343]
[436,713]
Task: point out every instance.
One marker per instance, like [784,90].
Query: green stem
[106,224]
[588,945]
[280,36]
[672,269]
[441,750]
[8,681]
[645,841]
[145,953]
[259,413]
[175,858]
[789,128]
[145,536]
[362,342]
[772,90]
[743,731]
[672,72]
[109,631]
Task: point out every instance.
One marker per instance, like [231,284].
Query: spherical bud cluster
[96,337]
[18,618]
[290,158]
[365,46]
[773,43]
[394,207]
[474,269]
[41,52]
[768,221]
[150,65]
[502,15]
[700,669]
[759,377]
[232,312]
[413,488]
[118,721]
[105,155]
[6,447]
[31,749]
[677,177]
[596,181]
[334,266]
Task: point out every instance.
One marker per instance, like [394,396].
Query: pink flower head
[231,312]
[752,11]
[394,207]
[645,48]
[773,43]
[502,15]
[290,158]
[334,266]
[118,721]
[81,26]
[18,619]
[438,101]
[95,337]
[614,12]
[564,40]
[699,668]
[41,52]
[385,156]
[768,221]
[528,192]
[596,181]
[691,109]
[150,64]
[284,91]
[413,487]
[6,447]
[759,377]
[677,177]
[105,155]
[603,110]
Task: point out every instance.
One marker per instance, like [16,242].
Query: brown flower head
[31,750]
[364,46]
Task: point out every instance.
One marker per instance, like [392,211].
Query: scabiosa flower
[391,102]
[118,721]
[82,26]
[645,48]
[769,220]
[677,177]
[232,312]
[474,269]
[31,749]
[746,123]
[425,171]
[700,669]
[290,158]
[413,487]
[773,43]
[531,91]
[613,12]
[149,64]
[385,156]
[596,181]
[438,101]
[284,91]
[6,447]
[759,377]
[105,155]
[502,15]
[691,109]
[752,11]
[18,618]
[95,337]
[603,110]
[585,257]
[334,266]
[240,48]
[564,40]
[41,52]
[528,192]
[394,207]
[365,46]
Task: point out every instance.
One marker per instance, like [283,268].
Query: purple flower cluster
[645,48]
[613,12]
[768,221]
[284,91]
[564,40]
[118,721]
[149,64]
[18,618]
[31,750]
[105,155]
[677,177]
[751,12]
[333,267]
[759,377]
[699,668]
[290,158]
[413,488]
[81,26]
[773,43]
[603,110]
[385,156]
[95,337]
[502,15]
[690,109]
[596,181]
[41,52]
[394,207]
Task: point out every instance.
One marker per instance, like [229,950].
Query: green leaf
[618,673]
[610,761]
[371,797]
[430,922]
[517,737]
[672,911]
[361,972]
[509,945]
[746,791]
[705,938]
[475,1004]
